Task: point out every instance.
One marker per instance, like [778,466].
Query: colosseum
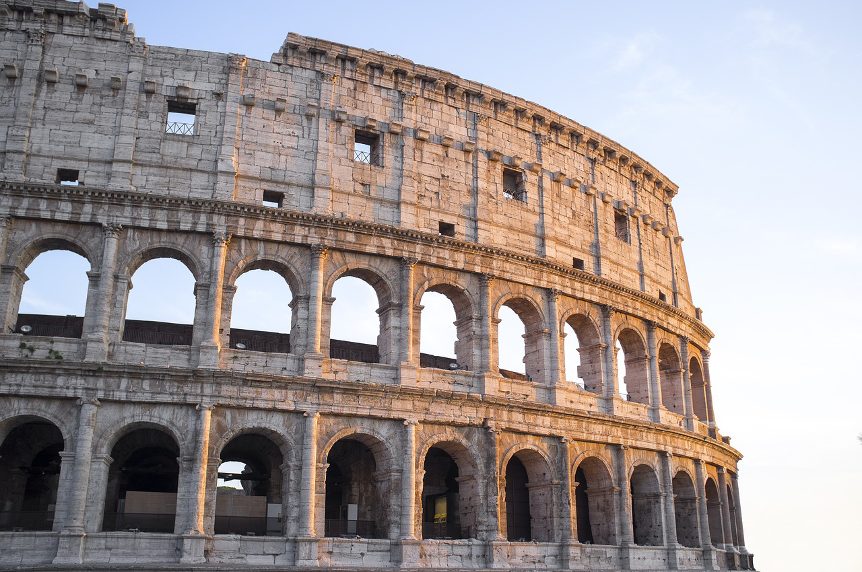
[327,162]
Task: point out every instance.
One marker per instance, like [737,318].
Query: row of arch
[249,488]
[583,339]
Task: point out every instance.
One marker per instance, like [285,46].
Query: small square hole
[68,177]
[578,263]
[621,225]
[446,228]
[513,185]
[273,199]
[366,148]
[662,296]
[181,118]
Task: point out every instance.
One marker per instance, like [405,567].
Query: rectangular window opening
[366,148]
[621,225]
[662,296]
[68,177]
[446,228]
[181,118]
[578,263]
[273,199]
[513,185]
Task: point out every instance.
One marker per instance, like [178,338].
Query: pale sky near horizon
[752,109]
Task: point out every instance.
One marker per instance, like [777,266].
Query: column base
[208,356]
[626,556]
[497,556]
[489,383]
[306,551]
[571,556]
[96,350]
[409,548]
[673,556]
[710,559]
[312,365]
[70,549]
[407,374]
[192,548]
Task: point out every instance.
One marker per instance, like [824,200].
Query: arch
[25,254]
[594,501]
[23,412]
[589,348]
[451,483]
[463,305]
[531,316]
[698,390]
[30,473]
[143,481]
[272,431]
[647,520]
[110,434]
[713,512]
[385,350]
[685,510]
[670,376]
[281,267]
[254,462]
[636,378]
[271,322]
[357,487]
[167,329]
[529,498]
[151,252]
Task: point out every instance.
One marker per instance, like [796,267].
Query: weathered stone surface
[585,236]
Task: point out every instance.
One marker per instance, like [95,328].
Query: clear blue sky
[752,108]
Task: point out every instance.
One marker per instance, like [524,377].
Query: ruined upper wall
[81,92]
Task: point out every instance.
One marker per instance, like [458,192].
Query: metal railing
[138,522]
[362,156]
[180,128]
[515,194]
[350,528]
[247,525]
[18,520]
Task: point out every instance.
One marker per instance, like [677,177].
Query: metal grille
[362,156]
[180,128]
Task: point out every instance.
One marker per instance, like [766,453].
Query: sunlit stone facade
[331,161]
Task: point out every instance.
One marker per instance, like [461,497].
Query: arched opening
[685,510]
[45,309]
[249,493]
[356,500]
[261,318]
[529,503]
[713,512]
[142,482]
[445,329]
[30,474]
[594,503]
[519,343]
[450,498]
[161,306]
[670,374]
[632,373]
[355,321]
[698,391]
[646,507]
[583,353]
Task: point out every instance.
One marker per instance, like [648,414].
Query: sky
[752,109]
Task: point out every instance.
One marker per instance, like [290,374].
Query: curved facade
[330,161]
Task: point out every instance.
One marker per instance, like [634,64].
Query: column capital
[94,401]
[721,470]
[486,279]
[410,423]
[565,440]
[311,413]
[666,454]
[408,262]
[684,340]
[607,310]
[112,229]
[221,238]
[5,220]
[651,325]
[704,355]
[205,406]
[319,250]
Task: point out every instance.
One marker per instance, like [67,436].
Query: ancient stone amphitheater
[330,161]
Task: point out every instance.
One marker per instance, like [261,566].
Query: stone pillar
[12,280]
[407,354]
[740,537]
[70,549]
[193,536]
[409,543]
[709,555]
[670,539]
[610,381]
[210,337]
[570,554]
[125,135]
[707,388]
[313,359]
[96,331]
[18,134]
[626,533]
[654,385]
[306,543]
[231,132]
[496,556]
[488,368]
[553,370]
[725,509]
[686,383]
